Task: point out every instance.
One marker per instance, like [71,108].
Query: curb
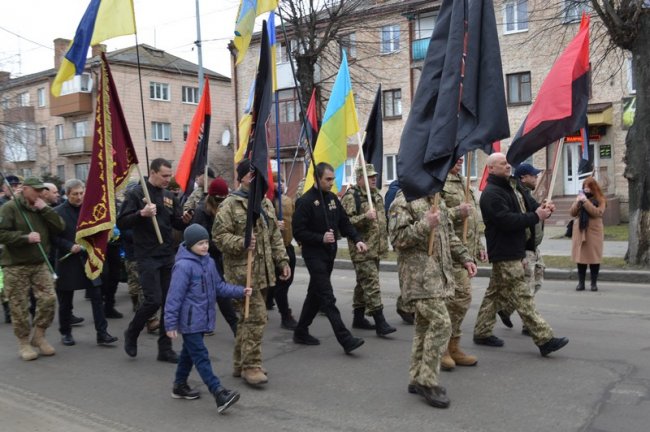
[605,275]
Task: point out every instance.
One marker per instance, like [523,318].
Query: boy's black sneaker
[183,391]
[225,398]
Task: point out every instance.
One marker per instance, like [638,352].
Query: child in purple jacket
[190,310]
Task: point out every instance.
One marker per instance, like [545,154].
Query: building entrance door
[576,169]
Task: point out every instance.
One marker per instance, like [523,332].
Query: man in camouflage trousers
[24,265]
[505,234]
[460,211]
[268,254]
[427,281]
[371,225]
[526,178]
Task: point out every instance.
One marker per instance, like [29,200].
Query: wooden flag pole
[556,163]
[249,277]
[434,207]
[147,200]
[467,183]
[365,172]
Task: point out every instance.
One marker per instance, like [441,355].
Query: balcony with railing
[289,134]
[419,48]
[78,146]
[71,104]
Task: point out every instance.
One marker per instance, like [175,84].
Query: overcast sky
[28,27]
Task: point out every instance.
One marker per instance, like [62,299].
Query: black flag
[373,147]
[459,105]
[258,150]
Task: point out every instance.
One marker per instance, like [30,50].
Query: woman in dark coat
[588,233]
[70,261]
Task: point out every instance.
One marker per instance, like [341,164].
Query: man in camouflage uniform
[526,178]
[371,225]
[460,211]
[199,191]
[505,235]
[426,283]
[24,265]
[268,254]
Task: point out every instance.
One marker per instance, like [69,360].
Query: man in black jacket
[155,259]
[508,222]
[318,217]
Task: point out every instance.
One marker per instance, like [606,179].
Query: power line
[25,39]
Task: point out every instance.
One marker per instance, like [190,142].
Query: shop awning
[600,114]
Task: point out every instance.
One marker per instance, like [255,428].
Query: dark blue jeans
[195,353]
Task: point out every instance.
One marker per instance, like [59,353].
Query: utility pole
[198,46]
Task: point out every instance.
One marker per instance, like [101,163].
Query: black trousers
[320,297]
[280,292]
[66,298]
[155,276]
[111,275]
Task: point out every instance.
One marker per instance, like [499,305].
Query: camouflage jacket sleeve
[405,230]
[458,251]
[279,252]
[228,229]
[358,219]
[193,199]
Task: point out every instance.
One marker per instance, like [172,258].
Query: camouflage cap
[370,170]
[34,182]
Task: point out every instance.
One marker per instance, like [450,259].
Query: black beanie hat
[243,168]
[194,234]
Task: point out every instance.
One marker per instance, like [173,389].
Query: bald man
[51,194]
[509,222]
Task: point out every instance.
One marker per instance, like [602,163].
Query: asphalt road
[599,382]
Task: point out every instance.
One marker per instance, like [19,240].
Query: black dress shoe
[112,313]
[105,339]
[168,356]
[435,396]
[505,319]
[130,345]
[67,339]
[305,339]
[553,345]
[352,344]
[492,341]
[75,320]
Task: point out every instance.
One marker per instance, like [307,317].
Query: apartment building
[45,135]
[386,42]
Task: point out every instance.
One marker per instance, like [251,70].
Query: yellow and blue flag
[339,122]
[245,125]
[248,10]
[103,19]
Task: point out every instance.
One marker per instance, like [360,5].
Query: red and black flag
[373,146]
[258,147]
[496,147]
[459,105]
[561,105]
[195,155]
[111,162]
[312,119]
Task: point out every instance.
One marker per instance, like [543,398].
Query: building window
[515,16]
[282,54]
[348,44]
[392,103]
[389,39]
[40,93]
[519,88]
[190,95]
[158,91]
[43,134]
[424,26]
[573,9]
[161,131]
[23,99]
[473,168]
[348,173]
[60,172]
[631,79]
[186,131]
[43,170]
[27,172]
[288,106]
[390,170]
[81,171]
[58,132]
[80,129]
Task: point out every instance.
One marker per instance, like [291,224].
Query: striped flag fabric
[248,11]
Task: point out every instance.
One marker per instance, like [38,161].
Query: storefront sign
[606,151]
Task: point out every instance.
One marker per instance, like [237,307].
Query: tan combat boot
[254,376]
[446,362]
[38,341]
[26,351]
[458,355]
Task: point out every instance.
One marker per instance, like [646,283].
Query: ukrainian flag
[248,10]
[339,122]
[104,19]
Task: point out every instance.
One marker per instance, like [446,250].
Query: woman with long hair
[588,233]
